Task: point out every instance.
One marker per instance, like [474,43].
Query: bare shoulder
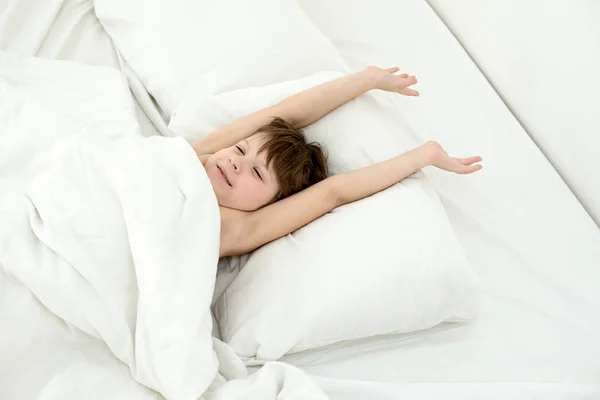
[234,225]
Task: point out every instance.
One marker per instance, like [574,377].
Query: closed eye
[240,150]
[258,173]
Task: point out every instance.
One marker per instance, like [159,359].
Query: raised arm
[292,213]
[306,107]
[310,105]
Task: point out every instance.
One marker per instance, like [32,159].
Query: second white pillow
[190,48]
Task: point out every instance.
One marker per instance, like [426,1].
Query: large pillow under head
[389,263]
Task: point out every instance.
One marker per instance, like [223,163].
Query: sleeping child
[269,182]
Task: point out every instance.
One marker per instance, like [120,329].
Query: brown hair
[297,164]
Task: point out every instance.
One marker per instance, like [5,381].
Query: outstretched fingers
[469,160]
[408,92]
[469,169]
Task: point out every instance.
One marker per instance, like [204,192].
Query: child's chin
[216,185]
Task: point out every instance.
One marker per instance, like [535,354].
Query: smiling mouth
[224,175]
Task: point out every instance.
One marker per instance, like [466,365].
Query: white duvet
[117,236]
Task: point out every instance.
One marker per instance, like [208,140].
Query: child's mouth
[224,175]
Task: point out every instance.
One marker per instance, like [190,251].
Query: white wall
[543,58]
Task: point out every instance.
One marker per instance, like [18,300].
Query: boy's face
[240,177]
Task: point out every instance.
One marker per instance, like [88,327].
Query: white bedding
[68,30]
[116,236]
[535,249]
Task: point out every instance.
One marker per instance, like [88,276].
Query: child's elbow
[334,194]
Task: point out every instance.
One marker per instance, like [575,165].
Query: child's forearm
[364,182]
[312,104]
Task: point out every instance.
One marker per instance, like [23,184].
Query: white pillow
[207,47]
[389,263]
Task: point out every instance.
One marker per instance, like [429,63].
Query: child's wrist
[429,153]
[369,77]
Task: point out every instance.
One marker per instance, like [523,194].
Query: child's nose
[235,163]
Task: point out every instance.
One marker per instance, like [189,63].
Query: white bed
[535,249]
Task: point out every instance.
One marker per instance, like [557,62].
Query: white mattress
[61,30]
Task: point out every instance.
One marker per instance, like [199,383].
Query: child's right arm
[287,215]
[307,106]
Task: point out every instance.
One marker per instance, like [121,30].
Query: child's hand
[384,79]
[439,158]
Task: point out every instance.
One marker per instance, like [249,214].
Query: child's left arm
[308,106]
[280,218]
